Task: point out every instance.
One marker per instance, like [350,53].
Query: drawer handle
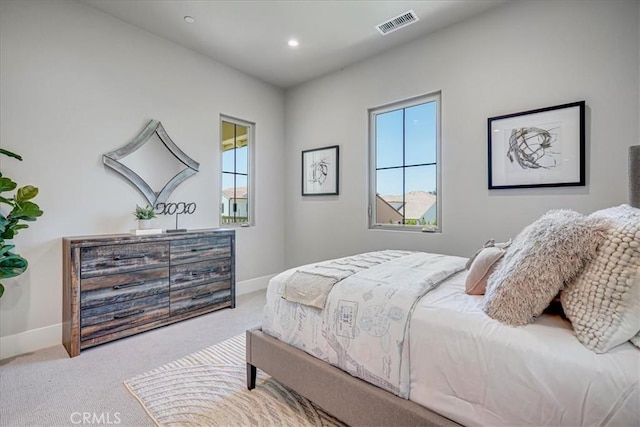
[124,257]
[204,295]
[132,313]
[128,285]
[201,249]
[199,272]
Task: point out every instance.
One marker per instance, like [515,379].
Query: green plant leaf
[25,193]
[148,212]
[12,266]
[5,249]
[6,201]
[7,184]
[1,289]
[14,230]
[26,211]
[10,154]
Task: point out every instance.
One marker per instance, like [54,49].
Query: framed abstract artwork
[320,171]
[538,148]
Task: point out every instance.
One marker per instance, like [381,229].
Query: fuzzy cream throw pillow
[545,255]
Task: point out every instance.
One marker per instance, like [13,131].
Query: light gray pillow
[481,268]
[545,255]
[491,243]
[603,302]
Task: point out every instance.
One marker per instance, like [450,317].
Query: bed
[456,364]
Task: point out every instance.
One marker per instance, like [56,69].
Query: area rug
[208,388]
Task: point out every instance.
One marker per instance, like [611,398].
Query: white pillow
[603,302]
[545,255]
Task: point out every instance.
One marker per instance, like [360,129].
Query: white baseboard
[252,285]
[28,341]
[48,336]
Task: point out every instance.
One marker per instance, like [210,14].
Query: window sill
[409,228]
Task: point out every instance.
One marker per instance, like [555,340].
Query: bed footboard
[350,399]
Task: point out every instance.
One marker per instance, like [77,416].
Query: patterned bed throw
[366,315]
[310,285]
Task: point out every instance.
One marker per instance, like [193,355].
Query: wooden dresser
[119,285]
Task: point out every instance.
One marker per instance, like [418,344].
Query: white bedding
[482,372]
[477,371]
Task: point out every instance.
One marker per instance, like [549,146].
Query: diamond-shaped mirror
[152,160]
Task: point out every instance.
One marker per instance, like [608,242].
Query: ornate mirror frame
[112,160]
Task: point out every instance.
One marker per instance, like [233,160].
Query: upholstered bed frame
[353,401]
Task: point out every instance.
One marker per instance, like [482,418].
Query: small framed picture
[538,148]
[320,171]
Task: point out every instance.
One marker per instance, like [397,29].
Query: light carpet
[208,388]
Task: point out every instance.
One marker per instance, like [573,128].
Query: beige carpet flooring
[47,388]
[208,388]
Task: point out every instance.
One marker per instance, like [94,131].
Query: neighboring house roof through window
[416,203]
[241,193]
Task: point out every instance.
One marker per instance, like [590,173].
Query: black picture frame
[320,171]
[538,148]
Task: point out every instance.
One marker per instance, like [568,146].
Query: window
[236,141]
[404,166]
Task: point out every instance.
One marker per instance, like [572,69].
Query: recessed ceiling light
[189,19]
[293,43]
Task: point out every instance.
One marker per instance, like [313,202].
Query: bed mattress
[477,371]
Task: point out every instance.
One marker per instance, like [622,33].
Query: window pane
[421,207]
[235,198]
[420,134]
[228,160]
[389,134]
[389,200]
[241,184]
[228,136]
[235,150]
[242,199]
[228,194]
[242,165]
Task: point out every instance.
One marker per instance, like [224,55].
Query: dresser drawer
[198,249]
[199,273]
[112,259]
[122,287]
[197,297]
[118,285]
[105,319]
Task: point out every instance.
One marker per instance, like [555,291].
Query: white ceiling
[252,35]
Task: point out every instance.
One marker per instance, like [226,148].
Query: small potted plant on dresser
[144,216]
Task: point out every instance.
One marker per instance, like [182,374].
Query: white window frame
[250,171]
[373,112]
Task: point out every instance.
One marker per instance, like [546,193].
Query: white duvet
[477,371]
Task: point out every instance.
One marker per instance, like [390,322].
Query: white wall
[77,83]
[520,56]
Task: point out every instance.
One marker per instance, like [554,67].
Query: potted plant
[144,216]
[22,209]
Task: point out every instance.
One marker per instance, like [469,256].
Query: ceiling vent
[398,22]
